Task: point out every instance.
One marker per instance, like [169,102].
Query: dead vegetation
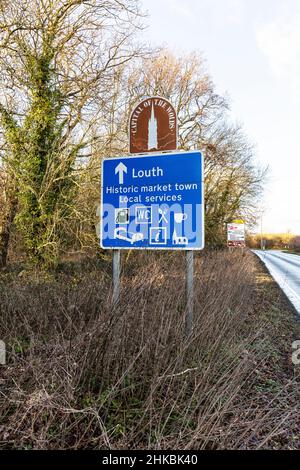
[81,375]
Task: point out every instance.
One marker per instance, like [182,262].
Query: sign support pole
[116,277]
[189,290]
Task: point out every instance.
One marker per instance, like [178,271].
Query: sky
[252,49]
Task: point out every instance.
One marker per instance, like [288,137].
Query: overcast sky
[252,48]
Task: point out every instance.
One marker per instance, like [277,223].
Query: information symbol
[158,236]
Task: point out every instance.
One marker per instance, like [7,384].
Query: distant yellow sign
[238,221]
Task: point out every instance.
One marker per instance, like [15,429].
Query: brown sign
[153,126]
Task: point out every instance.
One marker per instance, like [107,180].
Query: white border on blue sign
[155,247]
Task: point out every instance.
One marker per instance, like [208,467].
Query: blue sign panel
[153,202]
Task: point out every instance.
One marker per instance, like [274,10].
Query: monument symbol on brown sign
[153,126]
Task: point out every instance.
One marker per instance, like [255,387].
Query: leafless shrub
[83,375]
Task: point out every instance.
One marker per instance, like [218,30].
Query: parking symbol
[158,236]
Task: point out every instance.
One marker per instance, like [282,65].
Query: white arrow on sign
[121,169]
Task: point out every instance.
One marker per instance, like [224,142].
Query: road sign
[153,126]
[153,202]
[236,233]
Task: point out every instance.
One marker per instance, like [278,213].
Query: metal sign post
[189,291]
[116,277]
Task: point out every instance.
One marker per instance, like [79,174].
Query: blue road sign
[153,202]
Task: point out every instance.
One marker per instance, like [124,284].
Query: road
[285,269]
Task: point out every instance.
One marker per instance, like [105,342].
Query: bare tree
[233,182]
[57,61]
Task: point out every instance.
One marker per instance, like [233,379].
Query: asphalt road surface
[285,269]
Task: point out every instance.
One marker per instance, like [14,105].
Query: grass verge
[81,375]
